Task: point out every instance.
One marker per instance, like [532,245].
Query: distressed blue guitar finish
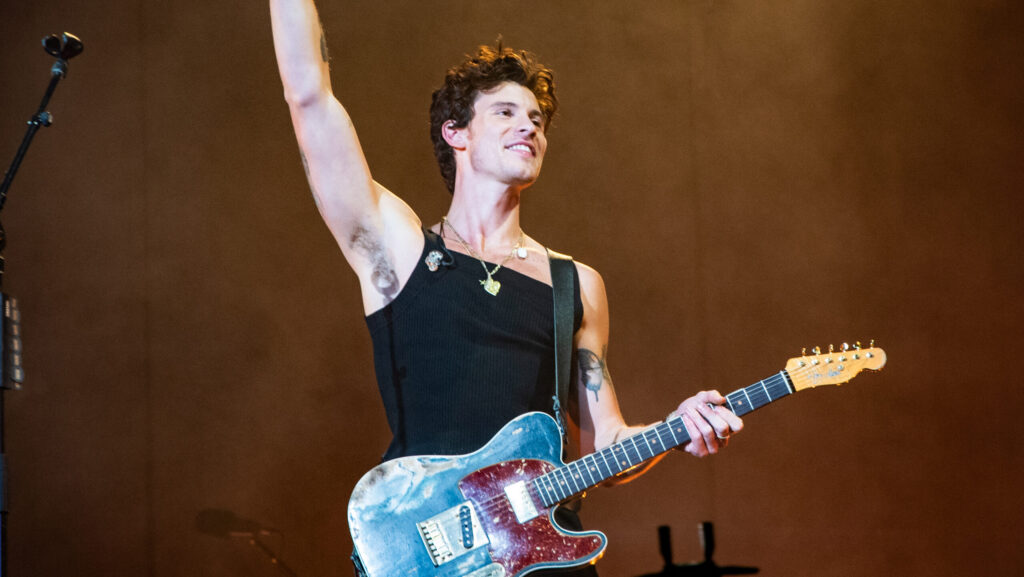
[489,513]
[391,501]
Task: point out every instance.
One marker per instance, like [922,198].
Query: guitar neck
[578,476]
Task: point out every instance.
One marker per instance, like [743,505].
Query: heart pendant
[491,286]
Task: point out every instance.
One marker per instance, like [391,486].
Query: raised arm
[377,232]
[601,421]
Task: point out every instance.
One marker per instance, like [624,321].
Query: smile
[521,148]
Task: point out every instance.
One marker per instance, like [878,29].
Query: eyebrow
[533,113]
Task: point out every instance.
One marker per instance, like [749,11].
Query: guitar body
[490,513]
[473,515]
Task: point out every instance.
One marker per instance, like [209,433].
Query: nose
[526,126]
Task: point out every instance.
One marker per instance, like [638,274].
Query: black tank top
[453,363]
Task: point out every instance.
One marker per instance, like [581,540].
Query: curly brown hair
[489,68]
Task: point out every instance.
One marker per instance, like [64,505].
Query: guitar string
[490,505]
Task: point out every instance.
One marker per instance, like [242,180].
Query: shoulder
[592,290]
[590,279]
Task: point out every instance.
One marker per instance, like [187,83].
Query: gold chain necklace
[490,285]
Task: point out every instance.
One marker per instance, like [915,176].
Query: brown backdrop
[750,177]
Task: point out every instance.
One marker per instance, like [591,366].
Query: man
[460,313]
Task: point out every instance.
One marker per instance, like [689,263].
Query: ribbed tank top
[454,363]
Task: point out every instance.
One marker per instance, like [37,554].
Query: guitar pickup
[522,504]
[452,533]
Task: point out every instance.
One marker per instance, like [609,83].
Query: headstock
[833,367]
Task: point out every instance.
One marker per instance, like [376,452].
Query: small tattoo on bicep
[593,370]
[383,277]
[305,167]
[323,46]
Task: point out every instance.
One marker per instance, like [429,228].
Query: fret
[577,480]
[547,489]
[598,460]
[635,456]
[567,476]
[623,453]
[539,486]
[561,487]
[657,431]
[786,381]
[777,387]
[765,387]
[757,395]
[563,473]
[728,401]
[646,444]
[738,402]
[620,463]
[604,457]
[750,404]
[679,431]
[553,485]
[780,384]
[654,444]
[668,428]
[675,440]
[589,468]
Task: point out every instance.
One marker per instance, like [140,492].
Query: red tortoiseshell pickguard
[519,546]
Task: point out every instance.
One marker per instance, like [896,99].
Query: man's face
[506,136]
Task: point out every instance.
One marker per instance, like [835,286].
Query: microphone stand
[706,568]
[224,524]
[12,373]
[276,561]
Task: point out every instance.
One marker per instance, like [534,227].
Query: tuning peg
[803,352]
[872,343]
[830,349]
[846,347]
[817,350]
[857,345]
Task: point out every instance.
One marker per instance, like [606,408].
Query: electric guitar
[489,513]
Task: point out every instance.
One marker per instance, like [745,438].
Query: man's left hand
[708,423]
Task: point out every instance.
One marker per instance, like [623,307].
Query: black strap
[562,289]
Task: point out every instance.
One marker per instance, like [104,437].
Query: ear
[455,137]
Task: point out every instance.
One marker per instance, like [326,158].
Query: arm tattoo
[305,166]
[323,44]
[593,370]
[384,279]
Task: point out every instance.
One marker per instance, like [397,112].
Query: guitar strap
[562,289]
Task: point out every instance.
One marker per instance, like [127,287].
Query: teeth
[522,147]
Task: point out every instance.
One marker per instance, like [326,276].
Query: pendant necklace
[490,285]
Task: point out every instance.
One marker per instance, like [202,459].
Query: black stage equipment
[705,568]
[12,374]
[222,523]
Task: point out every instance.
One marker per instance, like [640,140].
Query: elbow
[306,91]
[300,99]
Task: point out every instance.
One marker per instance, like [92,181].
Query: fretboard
[576,477]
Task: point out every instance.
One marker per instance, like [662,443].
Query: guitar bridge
[452,533]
